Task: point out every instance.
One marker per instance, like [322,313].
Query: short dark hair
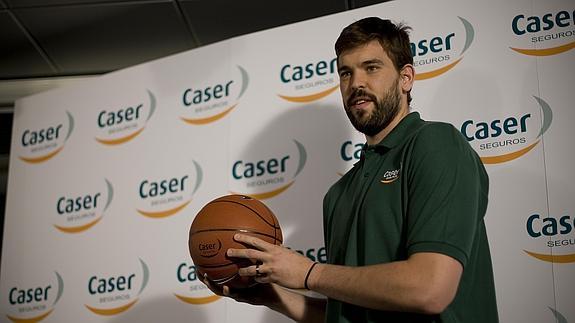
[394,40]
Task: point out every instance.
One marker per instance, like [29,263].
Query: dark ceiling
[54,38]
[48,43]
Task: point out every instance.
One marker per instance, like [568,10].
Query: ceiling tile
[18,56]
[219,20]
[101,38]
[365,3]
[45,3]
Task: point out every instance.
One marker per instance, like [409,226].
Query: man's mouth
[359,103]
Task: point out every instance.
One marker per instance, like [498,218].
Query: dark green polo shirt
[421,189]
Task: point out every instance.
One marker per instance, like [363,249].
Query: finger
[253,241]
[246,253]
[226,291]
[216,289]
[256,270]
[263,279]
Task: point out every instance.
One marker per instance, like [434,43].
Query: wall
[86,208]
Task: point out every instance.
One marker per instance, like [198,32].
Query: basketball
[212,234]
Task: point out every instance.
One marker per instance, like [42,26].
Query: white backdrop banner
[106,176]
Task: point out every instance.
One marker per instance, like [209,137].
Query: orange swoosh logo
[111,311]
[35,160]
[29,320]
[437,72]
[202,121]
[267,195]
[78,228]
[545,51]
[389,181]
[121,140]
[198,300]
[509,156]
[166,213]
[558,259]
[309,98]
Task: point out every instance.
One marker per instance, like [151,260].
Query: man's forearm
[425,283]
[299,307]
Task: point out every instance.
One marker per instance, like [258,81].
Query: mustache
[360,93]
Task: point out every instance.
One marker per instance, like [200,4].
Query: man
[404,228]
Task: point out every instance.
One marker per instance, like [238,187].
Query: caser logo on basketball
[210,102]
[45,141]
[123,122]
[209,248]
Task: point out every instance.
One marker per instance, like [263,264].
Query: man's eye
[344,74]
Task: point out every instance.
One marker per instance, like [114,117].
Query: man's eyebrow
[373,61]
[342,68]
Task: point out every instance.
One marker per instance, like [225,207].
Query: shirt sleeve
[447,193]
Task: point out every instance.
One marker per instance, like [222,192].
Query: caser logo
[556,233]
[114,294]
[350,151]
[209,249]
[211,102]
[76,213]
[34,303]
[40,144]
[505,139]
[390,176]
[190,289]
[166,196]
[121,124]
[264,178]
[308,81]
[551,33]
[434,55]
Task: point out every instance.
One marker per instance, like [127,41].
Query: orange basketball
[212,234]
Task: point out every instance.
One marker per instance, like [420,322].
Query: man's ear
[407,76]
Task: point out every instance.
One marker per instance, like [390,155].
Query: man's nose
[358,81]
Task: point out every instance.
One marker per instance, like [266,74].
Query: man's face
[369,84]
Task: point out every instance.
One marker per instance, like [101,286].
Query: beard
[384,112]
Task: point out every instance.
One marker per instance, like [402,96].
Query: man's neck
[377,138]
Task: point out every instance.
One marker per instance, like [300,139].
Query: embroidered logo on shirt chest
[390,176]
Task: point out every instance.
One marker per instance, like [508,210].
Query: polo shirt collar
[397,135]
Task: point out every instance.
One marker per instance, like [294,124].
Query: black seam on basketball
[224,280]
[239,230]
[246,206]
[217,265]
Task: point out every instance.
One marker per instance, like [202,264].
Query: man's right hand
[259,294]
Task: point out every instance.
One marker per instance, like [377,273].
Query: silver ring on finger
[258,274]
